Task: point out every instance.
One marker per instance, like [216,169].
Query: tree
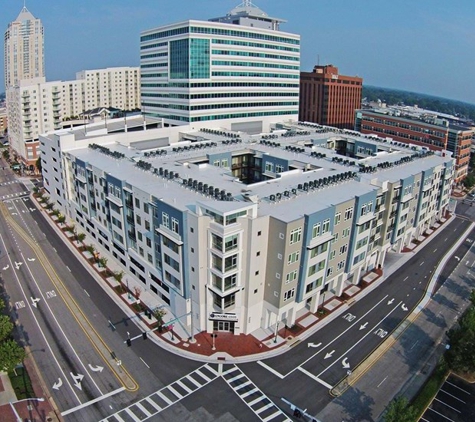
[103,262]
[81,237]
[38,164]
[61,218]
[159,313]
[11,354]
[460,356]
[400,411]
[119,275]
[6,327]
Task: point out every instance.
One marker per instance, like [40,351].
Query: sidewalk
[31,410]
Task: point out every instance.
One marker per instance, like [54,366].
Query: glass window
[295,235]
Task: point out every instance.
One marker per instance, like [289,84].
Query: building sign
[223,317]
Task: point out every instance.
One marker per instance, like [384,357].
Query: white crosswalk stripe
[166,396]
[255,399]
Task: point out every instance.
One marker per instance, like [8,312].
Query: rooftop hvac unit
[272,197]
[294,191]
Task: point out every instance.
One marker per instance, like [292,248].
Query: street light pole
[18,418]
[276,331]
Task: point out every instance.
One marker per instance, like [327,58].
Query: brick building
[328,98]
[421,128]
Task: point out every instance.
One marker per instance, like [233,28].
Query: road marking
[85,291]
[421,264]
[445,417]
[272,370]
[435,250]
[145,363]
[445,404]
[98,399]
[58,384]
[50,294]
[361,339]
[349,317]
[314,377]
[96,368]
[69,269]
[456,386]
[451,395]
[379,385]
[406,278]
[414,345]
[20,304]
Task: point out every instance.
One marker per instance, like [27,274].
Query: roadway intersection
[38,266]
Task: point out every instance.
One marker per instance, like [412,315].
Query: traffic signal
[144,335]
[129,342]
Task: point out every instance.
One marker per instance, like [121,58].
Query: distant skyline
[420,46]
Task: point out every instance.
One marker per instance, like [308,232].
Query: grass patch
[21,383]
[431,387]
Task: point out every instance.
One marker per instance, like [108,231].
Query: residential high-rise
[328,98]
[240,70]
[24,49]
[36,106]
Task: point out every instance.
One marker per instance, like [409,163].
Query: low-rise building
[421,127]
[243,232]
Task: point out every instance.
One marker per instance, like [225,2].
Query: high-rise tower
[237,71]
[24,49]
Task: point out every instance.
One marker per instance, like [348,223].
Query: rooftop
[317,177]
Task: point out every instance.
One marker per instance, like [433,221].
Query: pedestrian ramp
[166,397]
[252,396]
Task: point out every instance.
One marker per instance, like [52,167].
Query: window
[348,214]
[230,243]
[346,232]
[293,257]
[165,220]
[313,285]
[269,167]
[316,230]
[343,249]
[292,276]
[175,226]
[145,208]
[326,226]
[137,203]
[332,254]
[296,235]
[230,263]
[340,265]
[366,208]
[289,294]
[316,268]
[337,218]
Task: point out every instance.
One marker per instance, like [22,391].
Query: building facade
[239,70]
[24,49]
[328,98]
[420,128]
[3,121]
[235,232]
[36,106]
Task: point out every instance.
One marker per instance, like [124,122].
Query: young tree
[81,237]
[400,411]
[103,262]
[159,313]
[119,275]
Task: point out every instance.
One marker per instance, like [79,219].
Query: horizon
[394,46]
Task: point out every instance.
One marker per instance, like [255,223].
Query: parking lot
[454,402]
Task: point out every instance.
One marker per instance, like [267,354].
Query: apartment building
[239,70]
[328,98]
[36,106]
[245,231]
[23,49]
[420,127]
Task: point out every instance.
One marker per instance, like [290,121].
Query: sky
[424,46]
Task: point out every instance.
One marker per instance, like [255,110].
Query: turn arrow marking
[96,368]
[35,301]
[77,380]
[390,301]
[6,268]
[329,354]
[58,384]
[30,259]
[404,308]
[363,326]
[345,363]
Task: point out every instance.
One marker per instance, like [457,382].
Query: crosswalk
[254,398]
[250,394]
[167,396]
[14,195]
